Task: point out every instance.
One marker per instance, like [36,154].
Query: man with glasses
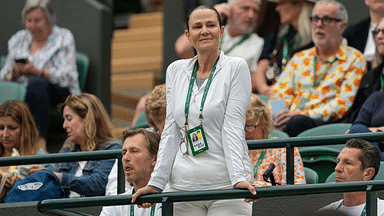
[319,84]
[359,160]
[360,35]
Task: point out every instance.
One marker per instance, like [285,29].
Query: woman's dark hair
[204,7]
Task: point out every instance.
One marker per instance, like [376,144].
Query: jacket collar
[189,68]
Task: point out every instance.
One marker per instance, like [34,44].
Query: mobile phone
[21,60]
[277,106]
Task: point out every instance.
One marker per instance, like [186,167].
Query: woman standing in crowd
[17,131]
[43,58]
[294,35]
[207,95]
[89,129]
[258,126]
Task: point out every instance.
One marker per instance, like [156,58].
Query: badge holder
[197,140]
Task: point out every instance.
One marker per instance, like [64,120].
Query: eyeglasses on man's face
[325,20]
[376,32]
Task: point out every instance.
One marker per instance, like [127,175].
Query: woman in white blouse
[42,57]
[207,95]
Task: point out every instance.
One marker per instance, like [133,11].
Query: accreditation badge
[197,140]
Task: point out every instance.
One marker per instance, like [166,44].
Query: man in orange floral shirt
[319,84]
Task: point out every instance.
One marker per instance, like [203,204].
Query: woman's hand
[142,191]
[249,186]
[257,184]
[26,69]
[11,179]
[35,168]
[282,118]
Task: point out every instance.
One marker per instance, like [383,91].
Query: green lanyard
[261,158]
[188,100]
[322,75]
[132,210]
[382,81]
[286,49]
[304,100]
[256,168]
[363,213]
[234,45]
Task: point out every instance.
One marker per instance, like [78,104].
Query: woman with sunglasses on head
[207,95]
[258,126]
[374,79]
[294,35]
[89,129]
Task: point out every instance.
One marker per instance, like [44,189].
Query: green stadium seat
[141,122]
[311,176]
[328,129]
[82,62]
[321,159]
[279,133]
[331,178]
[265,98]
[2,61]
[12,91]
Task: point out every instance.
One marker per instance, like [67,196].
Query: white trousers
[213,208]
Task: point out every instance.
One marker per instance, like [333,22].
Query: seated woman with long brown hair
[89,129]
[18,136]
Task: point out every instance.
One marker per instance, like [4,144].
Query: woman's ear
[187,35]
[221,31]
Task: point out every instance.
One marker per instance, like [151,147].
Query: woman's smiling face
[204,30]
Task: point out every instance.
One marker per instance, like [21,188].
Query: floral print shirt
[334,93]
[58,56]
[278,157]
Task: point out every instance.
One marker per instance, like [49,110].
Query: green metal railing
[288,143]
[69,157]
[167,199]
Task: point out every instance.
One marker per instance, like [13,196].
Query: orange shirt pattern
[278,157]
[336,91]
